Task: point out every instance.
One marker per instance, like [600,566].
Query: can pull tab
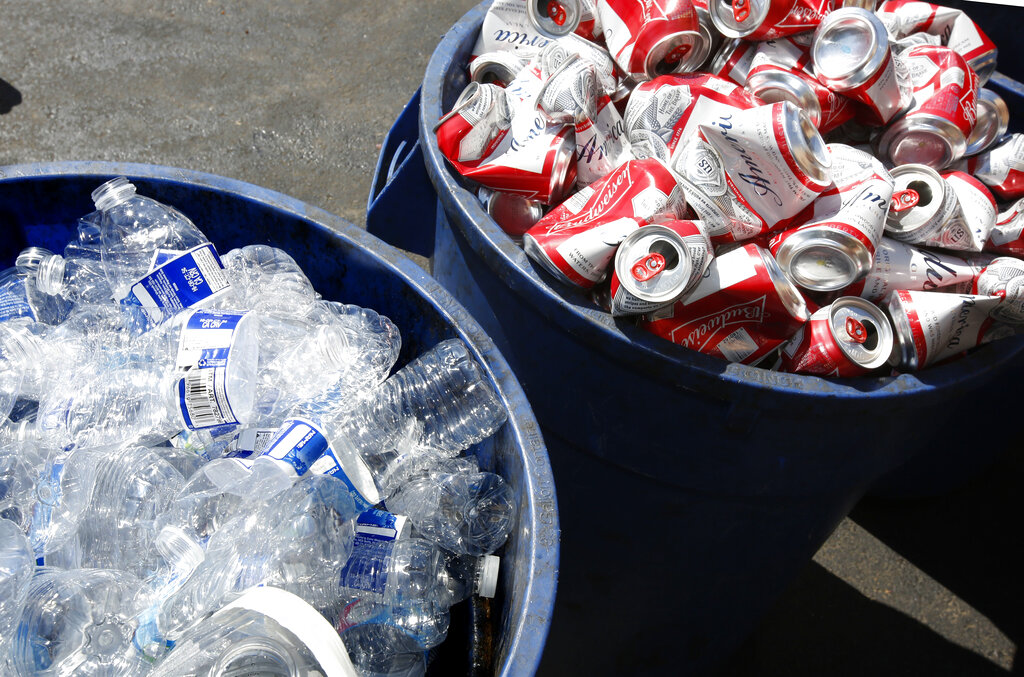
[902,200]
[556,12]
[740,10]
[648,267]
[856,331]
[677,54]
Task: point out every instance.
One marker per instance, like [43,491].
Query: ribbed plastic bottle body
[269,281]
[25,352]
[17,488]
[409,627]
[63,489]
[392,572]
[78,623]
[17,564]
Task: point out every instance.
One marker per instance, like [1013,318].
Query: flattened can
[851,55]
[1007,237]
[931,326]
[495,68]
[743,308]
[934,130]
[476,124]
[733,59]
[923,203]
[649,38]
[1004,279]
[558,18]
[768,19]
[657,264]
[1002,168]
[849,337]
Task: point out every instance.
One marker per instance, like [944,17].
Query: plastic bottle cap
[487,584]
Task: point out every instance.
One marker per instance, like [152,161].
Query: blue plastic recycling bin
[692,491]
[40,205]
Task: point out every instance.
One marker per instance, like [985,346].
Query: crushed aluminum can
[506,27]
[934,130]
[993,119]
[1007,237]
[742,309]
[768,19]
[732,60]
[513,213]
[779,72]
[922,204]
[552,57]
[495,68]
[656,265]
[476,125]
[956,30]
[576,240]
[751,170]
[558,18]
[899,265]
[848,337]
[650,38]
[1004,279]
[1001,168]
[932,327]
[836,246]
[976,214]
[851,56]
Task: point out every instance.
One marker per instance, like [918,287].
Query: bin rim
[659,358]
[531,624]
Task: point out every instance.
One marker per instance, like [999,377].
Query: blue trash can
[40,203]
[692,490]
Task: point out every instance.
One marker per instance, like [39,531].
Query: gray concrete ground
[297,96]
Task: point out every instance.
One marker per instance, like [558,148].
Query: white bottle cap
[487,581]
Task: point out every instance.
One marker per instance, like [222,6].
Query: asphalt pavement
[297,97]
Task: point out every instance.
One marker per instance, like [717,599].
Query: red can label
[957,31]
[1002,168]
[633,27]
[814,349]
[943,86]
[786,19]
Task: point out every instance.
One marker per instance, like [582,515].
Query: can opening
[667,251]
[553,10]
[923,190]
[870,335]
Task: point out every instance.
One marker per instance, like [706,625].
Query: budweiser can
[837,246]
[663,113]
[507,28]
[957,31]
[1002,168]
[849,337]
[649,38]
[1004,279]
[496,68]
[992,122]
[576,240]
[513,213]
[709,39]
[851,55]
[752,169]
[1007,237]
[743,308]
[898,265]
[767,20]
[779,73]
[934,131]
[657,264]
[552,57]
[923,203]
[476,124]
[558,18]
[975,217]
[931,327]
[732,60]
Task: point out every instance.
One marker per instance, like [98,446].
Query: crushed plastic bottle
[17,564]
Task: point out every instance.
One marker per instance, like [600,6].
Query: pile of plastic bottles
[180,428]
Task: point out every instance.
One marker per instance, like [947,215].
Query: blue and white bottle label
[204,352]
[14,302]
[380,525]
[181,282]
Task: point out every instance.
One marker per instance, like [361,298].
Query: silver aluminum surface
[922,139]
[824,259]
[936,204]
[992,122]
[670,283]
[805,143]
[772,86]
[849,47]
[877,347]
[537,11]
[723,16]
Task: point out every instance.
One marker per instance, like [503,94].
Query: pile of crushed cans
[804,185]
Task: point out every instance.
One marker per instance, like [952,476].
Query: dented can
[1004,279]
[1007,236]
[975,216]
[648,39]
[507,28]
[513,213]
[742,309]
[733,59]
[558,18]
[768,19]
[848,337]
[923,203]
[657,264]
[851,56]
[496,68]
[476,125]
[1002,168]
[931,327]
[992,121]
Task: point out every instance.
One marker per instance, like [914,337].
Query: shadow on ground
[9,97]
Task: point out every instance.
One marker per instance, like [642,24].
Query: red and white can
[507,28]
[1004,279]
[956,29]
[649,38]
[780,71]
[475,126]
[899,265]
[992,121]
[513,213]
[664,112]
[576,240]
[923,204]
[976,215]
[1002,168]
[558,18]
[935,129]
[751,170]
[851,56]
[657,264]
[836,246]
[768,19]
[1007,237]
[733,59]
[743,308]
[496,68]
[931,326]
[848,337]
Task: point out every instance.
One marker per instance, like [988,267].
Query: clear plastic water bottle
[17,564]
[10,386]
[420,625]
[153,256]
[469,513]
[77,279]
[19,295]
[24,350]
[384,650]
[78,623]
[17,488]
[63,487]
[266,631]
[268,281]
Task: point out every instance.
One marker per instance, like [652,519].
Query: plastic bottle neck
[50,274]
[29,259]
[113,193]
